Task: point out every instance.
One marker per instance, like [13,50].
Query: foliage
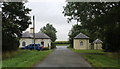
[46,48]
[25,58]
[61,42]
[50,31]
[53,45]
[100,19]
[15,19]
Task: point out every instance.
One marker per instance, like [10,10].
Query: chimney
[31,30]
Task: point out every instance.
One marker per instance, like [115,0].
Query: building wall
[98,46]
[84,46]
[26,40]
[47,42]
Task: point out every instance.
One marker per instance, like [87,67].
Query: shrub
[46,48]
[53,45]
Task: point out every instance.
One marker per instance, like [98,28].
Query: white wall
[46,42]
[37,41]
[26,40]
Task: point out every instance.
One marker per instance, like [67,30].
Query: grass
[101,61]
[97,60]
[25,58]
[89,51]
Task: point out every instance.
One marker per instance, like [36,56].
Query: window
[81,43]
[42,43]
[23,43]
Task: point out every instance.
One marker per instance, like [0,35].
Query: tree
[50,31]
[100,19]
[15,19]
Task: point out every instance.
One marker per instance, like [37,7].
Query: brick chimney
[31,30]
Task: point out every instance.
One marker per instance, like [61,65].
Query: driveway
[63,57]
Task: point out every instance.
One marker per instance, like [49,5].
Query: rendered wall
[77,44]
[47,42]
[97,46]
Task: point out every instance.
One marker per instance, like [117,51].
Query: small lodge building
[40,38]
[97,44]
[81,41]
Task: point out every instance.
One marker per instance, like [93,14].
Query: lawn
[25,58]
[98,58]
[89,51]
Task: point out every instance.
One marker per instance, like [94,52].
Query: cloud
[46,1]
[46,12]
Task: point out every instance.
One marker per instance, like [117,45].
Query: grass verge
[98,58]
[25,58]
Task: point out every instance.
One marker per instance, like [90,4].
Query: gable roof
[37,35]
[41,35]
[27,35]
[81,36]
[97,41]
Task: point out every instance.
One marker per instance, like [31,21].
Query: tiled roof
[27,35]
[81,35]
[37,35]
[97,41]
[41,35]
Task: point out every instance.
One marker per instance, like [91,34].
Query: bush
[53,45]
[61,42]
[46,48]
[9,44]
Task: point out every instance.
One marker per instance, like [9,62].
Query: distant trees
[101,20]
[15,19]
[51,32]
[61,42]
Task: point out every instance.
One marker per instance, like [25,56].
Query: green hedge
[61,42]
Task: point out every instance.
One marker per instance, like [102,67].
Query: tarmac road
[63,57]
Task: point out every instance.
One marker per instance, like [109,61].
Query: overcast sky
[50,11]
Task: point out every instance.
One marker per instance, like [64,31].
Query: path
[63,57]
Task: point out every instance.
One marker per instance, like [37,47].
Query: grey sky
[50,12]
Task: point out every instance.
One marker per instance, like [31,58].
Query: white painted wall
[46,42]
[37,41]
[27,40]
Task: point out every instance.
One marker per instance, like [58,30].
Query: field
[25,58]
[98,58]
[62,43]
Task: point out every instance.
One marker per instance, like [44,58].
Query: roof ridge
[37,35]
[81,35]
[97,41]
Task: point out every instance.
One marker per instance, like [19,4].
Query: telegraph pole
[34,30]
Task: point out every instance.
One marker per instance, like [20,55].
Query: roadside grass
[101,61]
[98,58]
[89,51]
[25,58]
[62,44]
